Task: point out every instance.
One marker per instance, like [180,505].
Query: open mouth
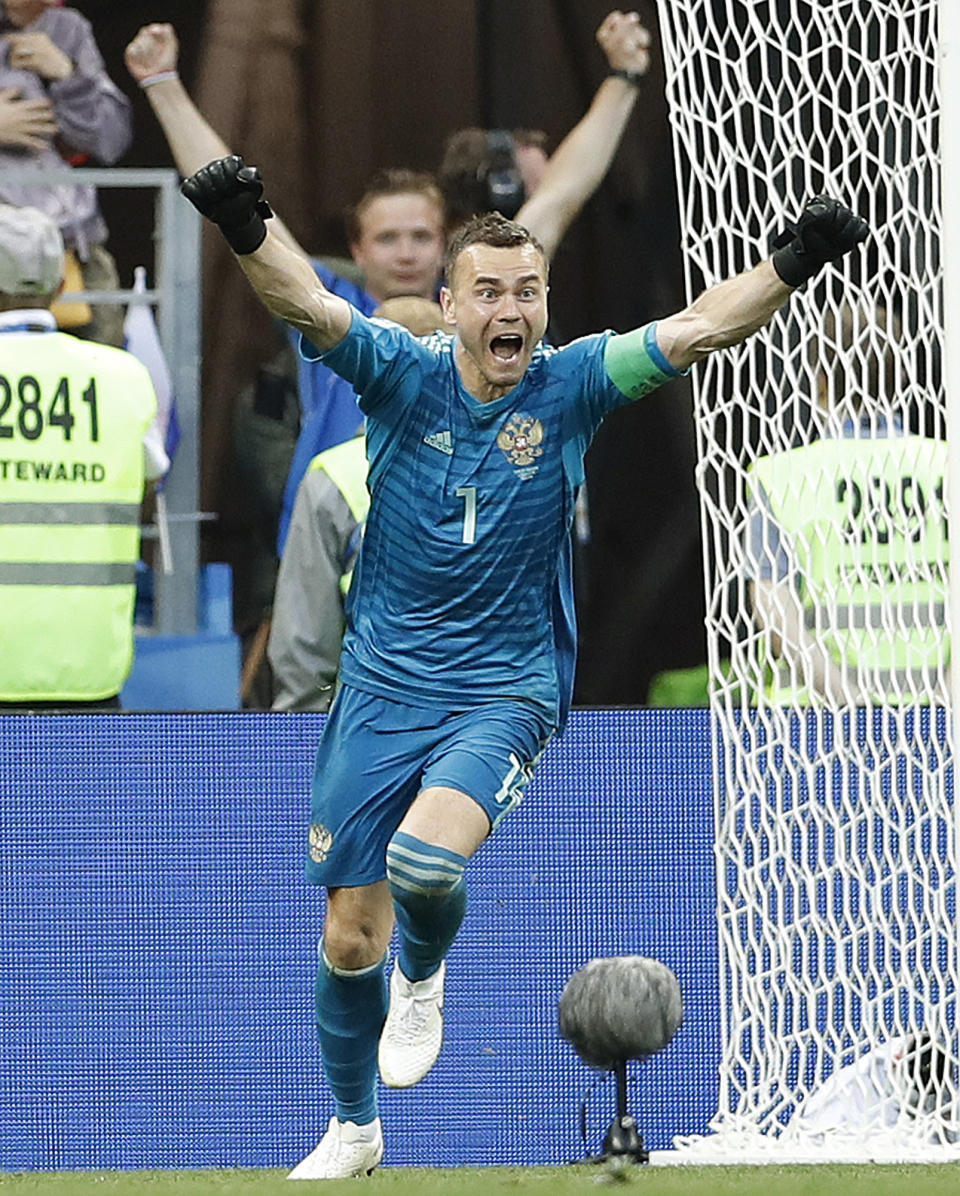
[507,347]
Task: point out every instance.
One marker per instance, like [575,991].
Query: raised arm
[579,163]
[230,194]
[729,312]
[723,315]
[152,58]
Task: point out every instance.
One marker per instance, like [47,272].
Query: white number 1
[469,496]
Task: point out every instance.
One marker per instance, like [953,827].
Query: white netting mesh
[821,466]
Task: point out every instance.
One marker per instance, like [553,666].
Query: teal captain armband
[636,364]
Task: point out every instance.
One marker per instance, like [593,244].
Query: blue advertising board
[158,940]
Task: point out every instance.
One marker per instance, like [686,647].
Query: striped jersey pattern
[463,592]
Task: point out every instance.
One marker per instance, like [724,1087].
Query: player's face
[497,300]
[400,249]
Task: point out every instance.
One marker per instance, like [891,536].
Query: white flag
[141,338]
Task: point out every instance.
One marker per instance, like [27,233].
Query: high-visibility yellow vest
[346,466]
[72,420]
[864,524]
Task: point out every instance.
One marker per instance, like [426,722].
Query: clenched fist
[230,193]
[826,230]
[154,51]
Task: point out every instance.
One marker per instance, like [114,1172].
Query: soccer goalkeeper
[458,659]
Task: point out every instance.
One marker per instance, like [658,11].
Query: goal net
[821,464]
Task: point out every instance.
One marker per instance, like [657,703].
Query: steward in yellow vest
[848,536]
[864,526]
[73,416]
[315,574]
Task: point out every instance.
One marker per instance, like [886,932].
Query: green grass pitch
[530,1181]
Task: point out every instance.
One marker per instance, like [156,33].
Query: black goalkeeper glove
[230,193]
[825,231]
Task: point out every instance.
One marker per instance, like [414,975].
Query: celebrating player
[457,664]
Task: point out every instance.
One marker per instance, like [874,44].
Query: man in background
[498,170]
[848,549]
[79,440]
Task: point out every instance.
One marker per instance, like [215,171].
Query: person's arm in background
[152,58]
[799,653]
[578,165]
[155,459]
[93,115]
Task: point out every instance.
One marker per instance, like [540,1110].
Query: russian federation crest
[520,440]
[320,840]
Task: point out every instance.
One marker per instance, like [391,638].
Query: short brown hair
[489,229]
[393,181]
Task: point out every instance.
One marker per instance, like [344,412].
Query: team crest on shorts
[321,840]
[520,438]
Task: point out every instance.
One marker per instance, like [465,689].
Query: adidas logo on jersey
[440,440]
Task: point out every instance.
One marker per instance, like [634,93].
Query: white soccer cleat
[345,1151]
[413,1032]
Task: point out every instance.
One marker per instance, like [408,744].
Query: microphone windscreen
[622,1007]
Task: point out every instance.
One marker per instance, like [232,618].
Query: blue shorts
[376,755]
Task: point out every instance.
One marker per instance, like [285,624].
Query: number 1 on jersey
[469,496]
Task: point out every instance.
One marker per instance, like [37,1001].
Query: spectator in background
[509,172]
[325,534]
[847,551]
[79,438]
[490,169]
[57,106]
[395,233]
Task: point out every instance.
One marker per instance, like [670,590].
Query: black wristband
[631,77]
[247,238]
[794,265]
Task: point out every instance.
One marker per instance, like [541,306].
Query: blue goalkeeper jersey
[463,591]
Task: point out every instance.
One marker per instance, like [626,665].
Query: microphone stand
[623,1141]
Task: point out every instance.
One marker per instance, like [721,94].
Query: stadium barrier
[159,943]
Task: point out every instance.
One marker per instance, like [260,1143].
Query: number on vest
[879,510]
[24,411]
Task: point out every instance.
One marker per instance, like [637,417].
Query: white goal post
[824,475]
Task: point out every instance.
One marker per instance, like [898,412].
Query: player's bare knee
[353,944]
[358,926]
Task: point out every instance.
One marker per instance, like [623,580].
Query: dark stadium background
[322,92]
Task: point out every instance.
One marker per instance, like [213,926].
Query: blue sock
[430,899]
[351,1009]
